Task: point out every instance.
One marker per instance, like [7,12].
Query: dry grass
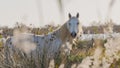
[15,58]
[85,54]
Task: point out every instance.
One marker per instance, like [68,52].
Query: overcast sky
[42,12]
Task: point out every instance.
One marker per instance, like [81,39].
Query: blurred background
[42,12]
[99,48]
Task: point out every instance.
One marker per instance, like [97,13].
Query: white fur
[51,43]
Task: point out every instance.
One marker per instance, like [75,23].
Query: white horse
[52,43]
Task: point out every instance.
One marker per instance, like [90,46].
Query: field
[94,53]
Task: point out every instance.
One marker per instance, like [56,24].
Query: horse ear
[77,15]
[69,15]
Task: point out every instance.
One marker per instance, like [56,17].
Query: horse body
[51,43]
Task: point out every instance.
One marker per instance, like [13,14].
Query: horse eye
[77,23]
[69,23]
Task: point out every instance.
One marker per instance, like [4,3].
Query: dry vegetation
[94,53]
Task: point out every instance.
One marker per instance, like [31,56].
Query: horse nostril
[73,34]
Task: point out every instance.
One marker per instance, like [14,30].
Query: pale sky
[42,12]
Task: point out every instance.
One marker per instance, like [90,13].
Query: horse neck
[64,34]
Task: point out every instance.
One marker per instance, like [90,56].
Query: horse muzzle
[73,34]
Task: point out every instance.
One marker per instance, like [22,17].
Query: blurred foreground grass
[15,58]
